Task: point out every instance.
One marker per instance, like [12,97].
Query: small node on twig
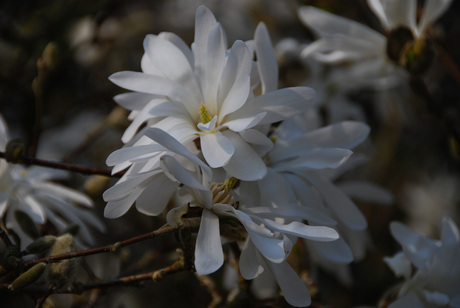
[115,247]
[15,150]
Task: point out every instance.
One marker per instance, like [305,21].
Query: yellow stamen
[230,183]
[204,115]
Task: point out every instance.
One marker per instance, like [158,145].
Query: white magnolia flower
[436,279]
[376,57]
[204,94]
[27,191]
[271,234]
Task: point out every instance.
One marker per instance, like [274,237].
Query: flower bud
[28,277]
[60,272]
[41,244]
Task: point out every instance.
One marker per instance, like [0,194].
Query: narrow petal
[249,264]
[344,208]
[175,146]
[317,159]
[400,265]
[294,290]
[266,59]
[235,83]
[395,13]
[171,165]
[134,100]
[130,153]
[336,252]
[209,255]
[327,24]
[279,104]
[315,233]
[431,12]
[346,134]
[150,84]
[367,192]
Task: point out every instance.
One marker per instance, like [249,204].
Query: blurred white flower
[376,58]
[28,192]
[204,94]
[436,279]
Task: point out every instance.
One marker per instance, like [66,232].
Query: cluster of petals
[271,234]
[29,192]
[206,93]
[341,40]
[431,268]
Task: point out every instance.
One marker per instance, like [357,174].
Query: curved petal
[235,84]
[395,13]
[344,208]
[153,200]
[150,84]
[209,255]
[327,24]
[279,104]
[250,266]
[294,289]
[336,252]
[245,164]
[217,149]
[173,64]
[171,165]
[315,233]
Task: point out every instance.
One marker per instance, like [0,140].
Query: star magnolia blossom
[205,93]
[27,191]
[341,39]
[271,235]
[436,280]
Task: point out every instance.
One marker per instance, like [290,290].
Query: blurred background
[55,59]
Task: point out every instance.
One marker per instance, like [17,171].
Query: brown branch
[163,231]
[57,165]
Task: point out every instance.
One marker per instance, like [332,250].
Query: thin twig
[163,231]
[57,165]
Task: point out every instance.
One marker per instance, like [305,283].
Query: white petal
[179,43]
[279,104]
[125,186]
[215,61]
[294,290]
[204,21]
[346,134]
[344,208]
[156,196]
[235,84]
[249,264]
[316,159]
[115,209]
[133,100]
[209,255]
[336,252]
[64,192]
[170,164]
[33,208]
[208,126]
[400,265]
[395,13]
[151,84]
[217,149]
[327,24]
[409,300]
[367,192]
[315,233]
[431,12]
[245,164]
[266,59]
[173,64]
[130,153]
[245,122]
[175,146]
